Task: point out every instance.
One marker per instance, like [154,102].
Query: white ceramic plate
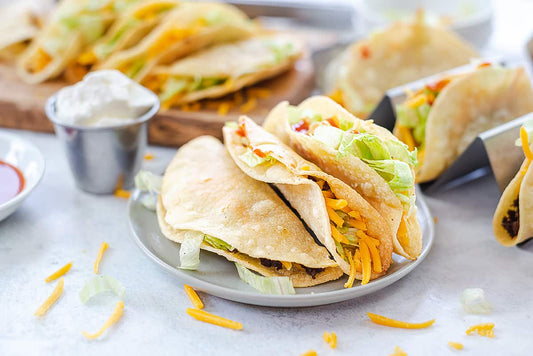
[217,276]
[28,159]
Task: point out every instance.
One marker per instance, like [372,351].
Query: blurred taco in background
[126,32]
[513,219]
[188,28]
[443,118]
[363,155]
[223,69]
[207,202]
[71,27]
[354,233]
[399,54]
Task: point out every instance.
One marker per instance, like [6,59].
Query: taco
[126,32]
[442,119]
[513,221]
[355,234]
[72,26]
[188,28]
[205,194]
[363,155]
[224,69]
[19,23]
[401,53]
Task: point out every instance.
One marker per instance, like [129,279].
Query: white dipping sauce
[103,98]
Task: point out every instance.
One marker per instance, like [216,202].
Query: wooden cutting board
[22,106]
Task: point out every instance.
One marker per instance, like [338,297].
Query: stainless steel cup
[103,159]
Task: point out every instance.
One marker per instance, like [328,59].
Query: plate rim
[294,300]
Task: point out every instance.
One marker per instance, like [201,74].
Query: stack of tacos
[399,54]
[443,118]
[512,221]
[205,195]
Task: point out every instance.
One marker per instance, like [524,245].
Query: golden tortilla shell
[401,53]
[519,189]
[188,21]
[244,63]
[350,169]
[290,174]
[203,190]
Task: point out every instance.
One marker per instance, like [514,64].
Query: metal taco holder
[492,151]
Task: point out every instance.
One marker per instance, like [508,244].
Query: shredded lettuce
[190,250]
[151,183]
[328,135]
[253,160]
[100,284]
[414,118]
[266,285]
[172,87]
[474,302]
[218,243]
[397,174]
[296,114]
[231,124]
[213,17]
[135,67]
[280,49]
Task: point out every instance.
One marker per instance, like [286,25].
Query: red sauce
[11,181]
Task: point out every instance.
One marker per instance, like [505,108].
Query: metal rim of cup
[50,110]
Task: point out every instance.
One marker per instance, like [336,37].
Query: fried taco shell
[204,191]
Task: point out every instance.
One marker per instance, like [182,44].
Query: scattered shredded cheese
[213,319]
[248,106]
[455,345]
[309,353]
[398,352]
[121,193]
[336,204]
[193,296]
[56,293]
[60,272]
[330,339]
[486,329]
[382,320]
[103,247]
[117,313]
[223,109]
[149,157]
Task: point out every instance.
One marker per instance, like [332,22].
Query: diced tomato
[437,87]
[241,131]
[302,126]
[334,121]
[365,51]
[484,64]
[258,152]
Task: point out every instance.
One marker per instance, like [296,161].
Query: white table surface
[58,223]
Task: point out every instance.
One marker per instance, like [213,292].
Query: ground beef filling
[511,222]
[277,265]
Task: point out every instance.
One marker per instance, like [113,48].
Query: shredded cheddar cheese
[224,108]
[115,316]
[336,204]
[56,293]
[407,137]
[287,265]
[416,101]
[366,261]
[381,320]
[337,235]
[333,216]
[213,319]
[41,61]
[309,353]
[149,157]
[351,277]
[123,194]
[455,345]
[248,106]
[398,352]
[330,339]
[486,329]
[103,247]
[527,149]
[60,272]
[258,92]
[193,296]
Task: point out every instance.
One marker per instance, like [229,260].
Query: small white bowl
[28,159]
